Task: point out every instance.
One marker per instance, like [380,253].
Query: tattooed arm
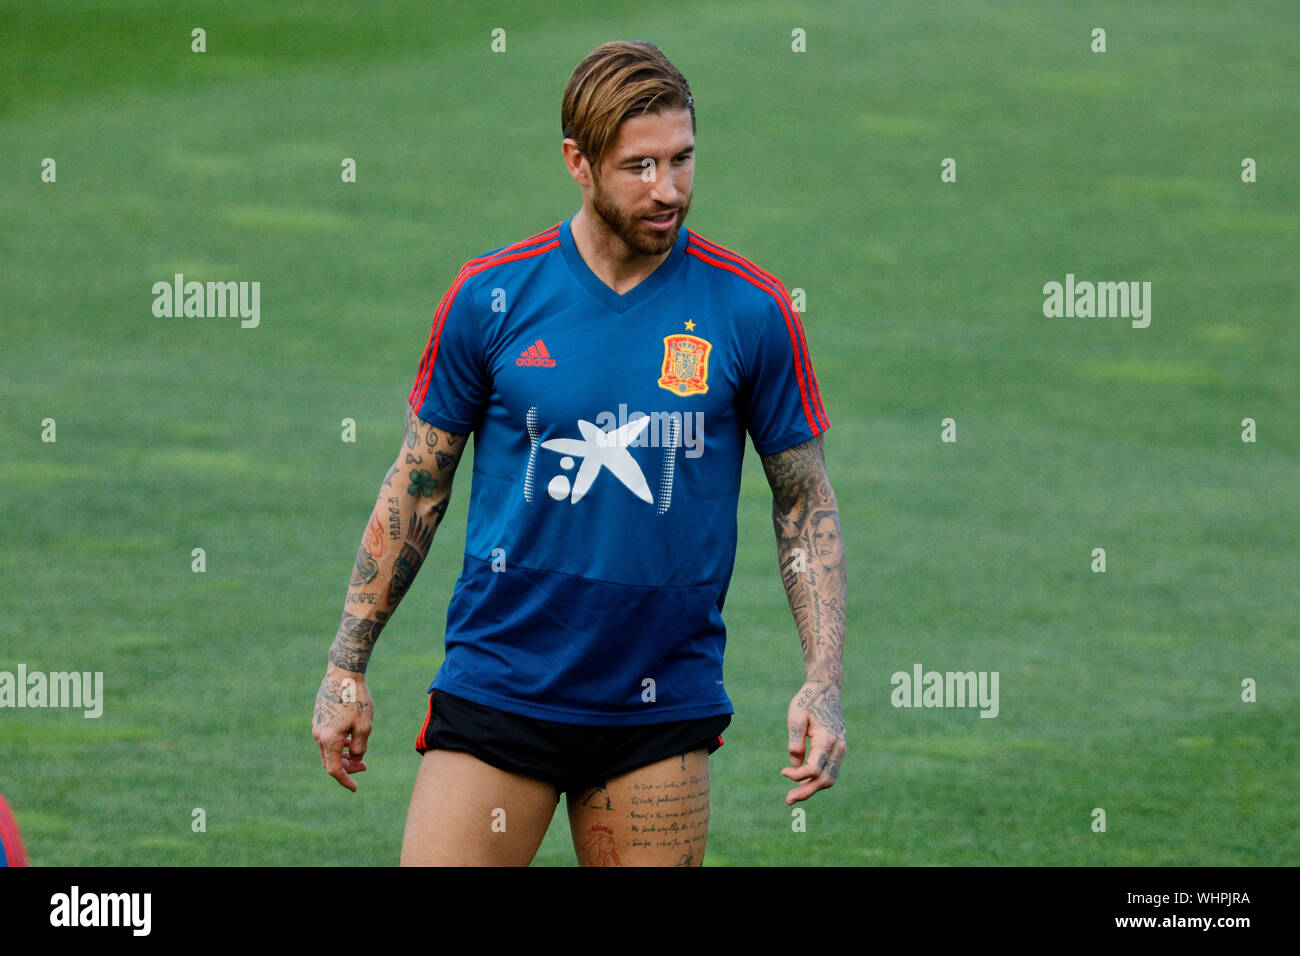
[811,556]
[412,501]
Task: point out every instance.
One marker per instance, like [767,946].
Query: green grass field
[1119,691]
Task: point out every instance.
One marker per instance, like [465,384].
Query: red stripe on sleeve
[425,359]
[807,357]
[544,235]
[777,288]
[425,374]
[813,423]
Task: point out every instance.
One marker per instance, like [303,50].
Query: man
[609,369]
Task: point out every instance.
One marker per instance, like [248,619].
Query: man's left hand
[815,713]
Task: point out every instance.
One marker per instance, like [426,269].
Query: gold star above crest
[690,326]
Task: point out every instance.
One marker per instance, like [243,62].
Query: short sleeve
[783,404]
[452,384]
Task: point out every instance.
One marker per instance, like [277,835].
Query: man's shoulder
[521,250]
[745,282]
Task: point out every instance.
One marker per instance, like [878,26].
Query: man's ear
[576,162]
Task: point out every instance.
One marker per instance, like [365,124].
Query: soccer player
[609,369]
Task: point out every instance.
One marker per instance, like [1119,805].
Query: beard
[630,229]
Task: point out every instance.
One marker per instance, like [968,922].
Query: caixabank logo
[604,445]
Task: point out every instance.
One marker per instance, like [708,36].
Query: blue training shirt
[608,437]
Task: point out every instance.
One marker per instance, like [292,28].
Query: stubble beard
[630,230]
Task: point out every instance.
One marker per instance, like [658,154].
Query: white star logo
[598,450]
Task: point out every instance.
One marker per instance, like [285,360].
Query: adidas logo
[536,354]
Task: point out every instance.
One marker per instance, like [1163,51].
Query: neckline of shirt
[607,296]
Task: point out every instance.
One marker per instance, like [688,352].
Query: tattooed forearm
[810,551]
[382,573]
[422,483]
[418,537]
[366,568]
[354,642]
[374,539]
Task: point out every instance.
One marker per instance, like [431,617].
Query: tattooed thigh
[657,815]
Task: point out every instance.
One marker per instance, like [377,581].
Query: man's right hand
[345,714]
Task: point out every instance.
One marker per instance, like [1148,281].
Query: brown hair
[614,82]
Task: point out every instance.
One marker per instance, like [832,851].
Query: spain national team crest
[686,365]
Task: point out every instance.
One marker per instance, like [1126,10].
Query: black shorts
[567,756]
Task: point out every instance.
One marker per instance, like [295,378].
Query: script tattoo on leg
[671,815]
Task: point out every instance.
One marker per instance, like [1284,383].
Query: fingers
[798,740]
[357,742]
[352,761]
[340,765]
[821,770]
[341,727]
[815,776]
[353,765]
[332,756]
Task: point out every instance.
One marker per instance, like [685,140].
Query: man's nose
[663,189]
